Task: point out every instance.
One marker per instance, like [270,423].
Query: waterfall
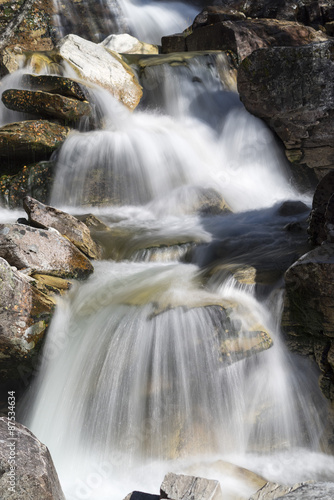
[141,372]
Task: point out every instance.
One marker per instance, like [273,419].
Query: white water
[130,384]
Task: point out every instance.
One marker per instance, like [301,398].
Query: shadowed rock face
[35,474]
[292,89]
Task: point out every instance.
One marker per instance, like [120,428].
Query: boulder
[95,64]
[25,313]
[77,232]
[51,286]
[216,14]
[30,141]
[56,85]
[127,44]
[180,487]
[308,315]
[43,251]
[34,473]
[312,491]
[33,180]
[273,86]
[46,105]
[244,36]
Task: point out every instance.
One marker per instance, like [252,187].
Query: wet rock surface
[46,105]
[30,140]
[179,487]
[35,474]
[56,85]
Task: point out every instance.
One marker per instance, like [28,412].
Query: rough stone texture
[77,232]
[30,140]
[99,66]
[216,14]
[233,350]
[55,85]
[46,105]
[309,12]
[272,491]
[292,89]
[24,26]
[322,210]
[25,313]
[33,180]
[308,315]
[243,37]
[127,44]
[36,476]
[315,491]
[51,285]
[44,251]
[180,487]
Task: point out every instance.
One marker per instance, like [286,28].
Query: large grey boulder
[32,475]
[95,64]
[25,313]
[180,487]
[44,216]
[292,89]
[43,251]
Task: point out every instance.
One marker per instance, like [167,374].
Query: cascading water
[133,380]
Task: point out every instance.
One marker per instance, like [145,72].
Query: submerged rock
[95,64]
[25,313]
[43,251]
[127,44]
[30,140]
[46,104]
[35,476]
[77,232]
[180,487]
[273,86]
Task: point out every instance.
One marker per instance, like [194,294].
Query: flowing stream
[133,381]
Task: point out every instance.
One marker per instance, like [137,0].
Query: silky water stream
[133,381]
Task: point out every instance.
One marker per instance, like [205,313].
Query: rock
[272,491]
[25,313]
[139,495]
[180,487]
[173,43]
[321,213]
[216,14]
[44,251]
[30,140]
[35,473]
[95,64]
[313,12]
[308,315]
[273,86]
[51,285]
[24,26]
[77,232]
[46,105]
[234,350]
[56,85]
[292,208]
[33,180]
[315,491]
[127,44]
[244,36]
